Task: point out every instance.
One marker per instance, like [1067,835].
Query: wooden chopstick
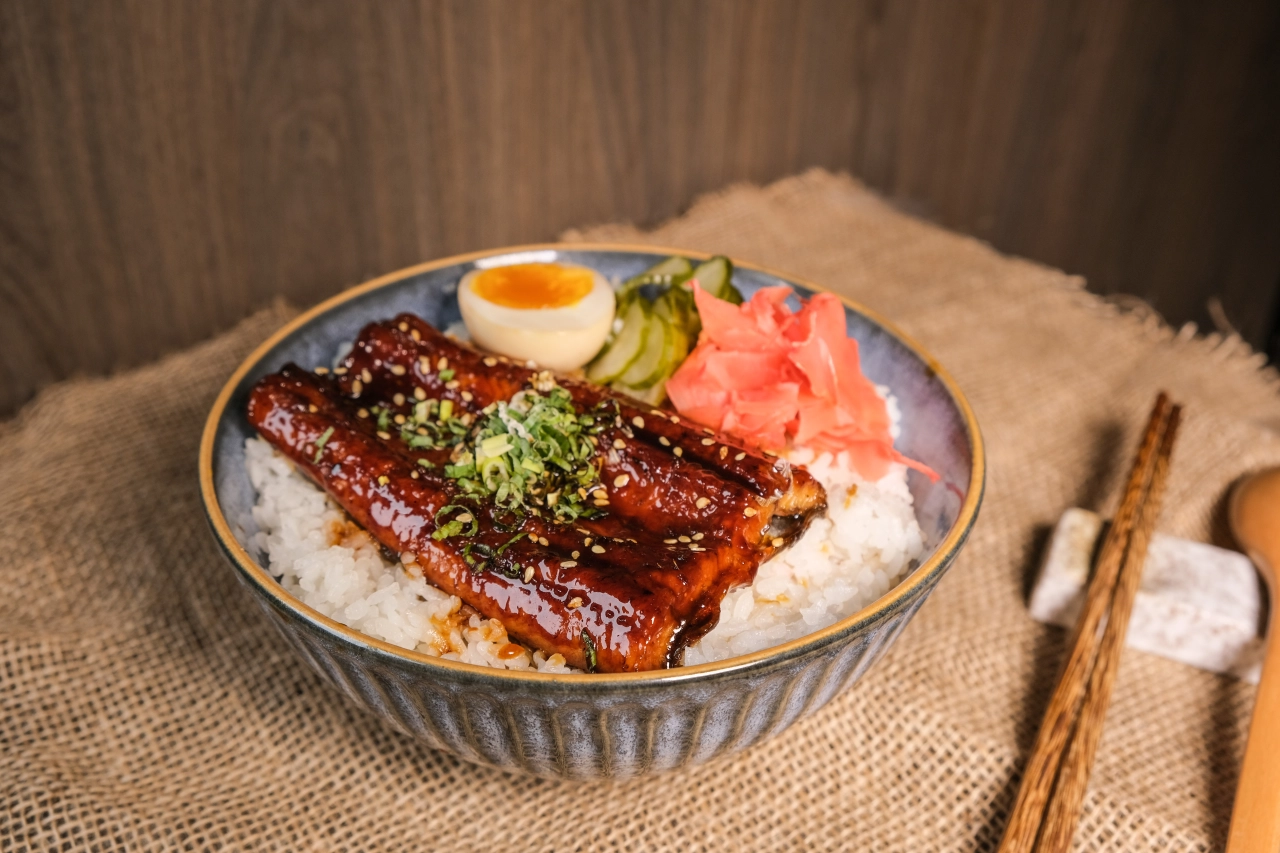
[1055,730]
[1063,813]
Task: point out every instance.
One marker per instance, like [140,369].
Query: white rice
[848,558]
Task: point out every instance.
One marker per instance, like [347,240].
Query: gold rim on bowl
[942,553]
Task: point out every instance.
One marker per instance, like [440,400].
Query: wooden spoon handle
[1255,819]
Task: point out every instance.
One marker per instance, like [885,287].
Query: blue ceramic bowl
[602,725]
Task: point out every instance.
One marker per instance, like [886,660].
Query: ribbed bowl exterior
[619,732]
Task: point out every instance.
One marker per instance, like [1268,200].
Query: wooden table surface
[165,168]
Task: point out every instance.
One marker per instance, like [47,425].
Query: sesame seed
[425,362]
[398,399]
[467,396]
[662,439]
[528,574]
[356,387]
[567,564]
[701,503]
[465,517]
[542,540]
[708,430]
[685,539]
[724,451]
[599,494]
[408,557]
[404,327]
[399,419]
[397,370]
[707,442]
[419,394]
[638,422]
[384,435]
[778,542]
[669,541]
[490,361]
[413,474]
[451,384]
[675,420]
[697,537]
[383,480]
[321,371]
[679,451]
[362,413]
[739,457]
[582,530]
[657,413]
[366,376]
[601,503]
[442,364]
[413,333]
[620,481]
[587,541]
[619,443]
[769,453]
[339,371]
[597,549]
[575,602]
[312,409]
[575,554]
[421,430]
[749,511]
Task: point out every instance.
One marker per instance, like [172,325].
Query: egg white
[555,338]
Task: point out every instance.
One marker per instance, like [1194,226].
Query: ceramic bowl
[602,725]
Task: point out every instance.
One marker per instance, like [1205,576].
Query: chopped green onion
[446,374]
[320,443]
[591,651]
[510,542]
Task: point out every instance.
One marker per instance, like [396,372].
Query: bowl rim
[921,576]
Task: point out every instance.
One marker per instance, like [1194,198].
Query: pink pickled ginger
[767,374]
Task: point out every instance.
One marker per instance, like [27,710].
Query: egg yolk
[533,285]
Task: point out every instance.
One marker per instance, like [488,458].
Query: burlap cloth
[145,704]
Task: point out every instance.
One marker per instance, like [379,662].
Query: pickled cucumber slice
[716,277]
[631,341]
[655,358]
[675,267]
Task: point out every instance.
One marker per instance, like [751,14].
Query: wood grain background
[166,167]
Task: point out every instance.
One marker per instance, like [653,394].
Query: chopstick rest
[1197,604]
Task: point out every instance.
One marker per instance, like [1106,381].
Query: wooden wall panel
[166,167]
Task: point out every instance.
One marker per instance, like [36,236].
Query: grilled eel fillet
[631,600]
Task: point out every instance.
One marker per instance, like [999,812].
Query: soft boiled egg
[556,315]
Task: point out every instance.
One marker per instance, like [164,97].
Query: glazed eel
[685,521]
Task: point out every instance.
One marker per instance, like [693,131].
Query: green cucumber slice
[716,277]
[654,395]
[654,358]
[663,272]
[672,266]
[627,346]
[677,306]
